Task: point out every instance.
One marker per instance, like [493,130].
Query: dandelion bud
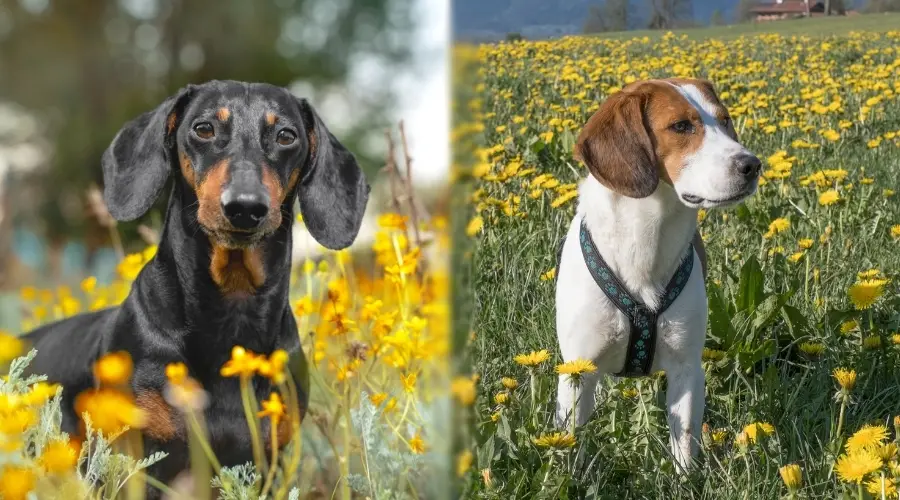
[791,475]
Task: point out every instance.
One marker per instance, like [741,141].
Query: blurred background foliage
[73,72]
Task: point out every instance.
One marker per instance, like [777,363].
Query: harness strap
[642,338]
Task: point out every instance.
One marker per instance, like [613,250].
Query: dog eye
[286,137]
[726,121]
[204,130]
[683,127]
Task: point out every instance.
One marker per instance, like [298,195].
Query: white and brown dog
[657,151]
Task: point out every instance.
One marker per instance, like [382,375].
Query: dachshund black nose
[244,210]
[747,165]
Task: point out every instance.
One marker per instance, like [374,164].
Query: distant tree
[744,10]
[595,22]
[514,37]
[668,14]
[618,15]
[879,6]
[717,19]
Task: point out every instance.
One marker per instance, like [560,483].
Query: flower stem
[273,442]
[837,435]
[251,422]
[574,406]
[533,384]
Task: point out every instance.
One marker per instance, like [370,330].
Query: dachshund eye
[204,130]
[286,137]
[683,127]
[726,121]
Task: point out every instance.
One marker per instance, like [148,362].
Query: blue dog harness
[642,339]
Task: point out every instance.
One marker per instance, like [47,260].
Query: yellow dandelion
[829,197]
[12,347]
[812,348]
[712,354]
[556,440]
[854,467]
[880,483]
[576,367]
[864,293]
[549,275]
[501,398]
[872,342]
[845,378]
[791,475]
[114,368]
[464,462]
[16,482]
[757,430]
[848,326]
[464,390]
[475,225]
[509,383]
[895,231]
[867,437]
[533,358]
[58,457]
[805,243]
[417,444]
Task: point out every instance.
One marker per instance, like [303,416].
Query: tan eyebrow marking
[223,114]
[271,118]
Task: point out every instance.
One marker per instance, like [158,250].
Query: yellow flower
[509,383]
[757,429]
[563,199]
[501,398]
[58,456]
[464,390]
[868,274]
[409,382]
[242,362]
[791,475]
[89,284]
[304,306]
[40,393]
[895,339]
[848,326]
[895,231]
[576,367]
[845,378]
[812,348]
[114,368]
[17,421]
[109,410]
[867,437]
[416,444]
[176,372]
[272,408]
[712,354]
[16,482]
[549,275]
[533,358]
[378,398]
[872,342]
[805,243]
[273,368]
[874,486]
[778,225]
[475,226]
[10,347]
[854,467]
[464,462]
[392,221]
[829,197]
[864,293]
[556,440]
[888,451]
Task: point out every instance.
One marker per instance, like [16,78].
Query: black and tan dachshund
[237,155]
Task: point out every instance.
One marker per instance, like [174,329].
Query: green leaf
[567,140]
[769,309]
[750,290]
[795,320]
[721,329]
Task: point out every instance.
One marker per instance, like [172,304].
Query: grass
[825,117]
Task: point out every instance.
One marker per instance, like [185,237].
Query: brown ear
[616,146]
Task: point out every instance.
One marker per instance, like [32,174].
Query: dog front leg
[685,400]
[579,398]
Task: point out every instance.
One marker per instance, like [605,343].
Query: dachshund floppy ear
[136,164]
[333,191]
[616,147]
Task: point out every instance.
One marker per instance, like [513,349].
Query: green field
[825,117]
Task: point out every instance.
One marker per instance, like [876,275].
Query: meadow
[373,326]
[803,393]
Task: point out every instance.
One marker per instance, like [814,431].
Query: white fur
[707,172]
[643,241]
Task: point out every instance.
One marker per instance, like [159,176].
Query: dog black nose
[244,210]
[747,165]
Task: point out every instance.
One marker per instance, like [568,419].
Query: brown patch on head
[271,118]
[708,91]
[170,123]
[223,114]
[629,144]
[187,169]
[276,196]
[160,423]
[209,194]
[292,179]
[237,271]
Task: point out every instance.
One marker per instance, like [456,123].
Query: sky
[426,93]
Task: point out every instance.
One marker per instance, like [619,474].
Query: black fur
[175,311]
